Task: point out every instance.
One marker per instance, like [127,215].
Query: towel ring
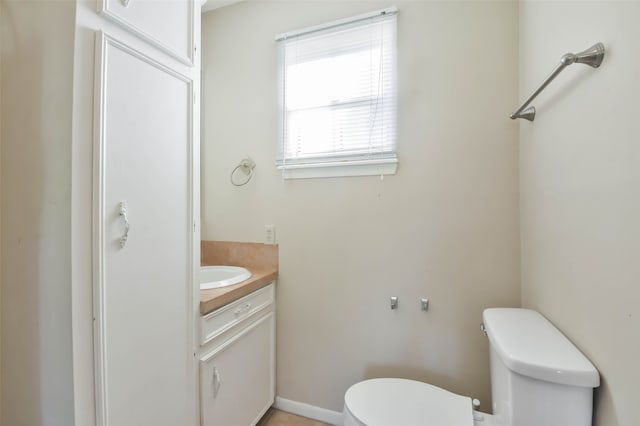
[246,166]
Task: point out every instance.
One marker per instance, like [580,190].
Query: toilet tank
[538,377]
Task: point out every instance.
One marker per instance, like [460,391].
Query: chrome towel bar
[592,56]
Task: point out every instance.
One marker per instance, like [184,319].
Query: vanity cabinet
[237,361]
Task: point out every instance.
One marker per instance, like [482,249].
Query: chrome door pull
[123,213]
[216,382]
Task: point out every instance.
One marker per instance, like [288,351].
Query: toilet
[538,377]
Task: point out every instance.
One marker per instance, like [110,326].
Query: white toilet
[538,378]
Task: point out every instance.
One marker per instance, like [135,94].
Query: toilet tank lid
[530,345]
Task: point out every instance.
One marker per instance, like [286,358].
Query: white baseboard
[310,411]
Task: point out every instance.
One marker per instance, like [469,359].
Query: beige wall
[445,227]
[36,80]
[580,184]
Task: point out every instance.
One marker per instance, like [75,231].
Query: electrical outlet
[270,234]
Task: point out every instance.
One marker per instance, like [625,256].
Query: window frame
[338,164]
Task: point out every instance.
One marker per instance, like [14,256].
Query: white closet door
[142,291]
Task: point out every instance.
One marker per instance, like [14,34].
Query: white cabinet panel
[237,383]
[143,292]
[167,24]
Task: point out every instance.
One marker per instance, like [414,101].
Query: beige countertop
[211,300]
[260,259]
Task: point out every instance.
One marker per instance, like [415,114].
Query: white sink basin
[222,276]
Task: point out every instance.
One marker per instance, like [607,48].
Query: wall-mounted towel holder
[246,167]
[592,56]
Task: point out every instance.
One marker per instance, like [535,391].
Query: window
[338,98]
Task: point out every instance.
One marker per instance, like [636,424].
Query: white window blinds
[338,96]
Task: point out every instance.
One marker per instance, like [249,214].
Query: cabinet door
[143,292]
[167,24]
[237,378]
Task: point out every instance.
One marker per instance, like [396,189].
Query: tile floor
[281,418]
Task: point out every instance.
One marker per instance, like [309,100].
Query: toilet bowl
[392,402]
[538,377]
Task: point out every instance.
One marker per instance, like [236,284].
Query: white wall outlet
[269,234]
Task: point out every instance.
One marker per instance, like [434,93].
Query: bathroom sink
[222,276]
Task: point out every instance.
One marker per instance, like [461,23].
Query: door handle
[216,382]
[123,214]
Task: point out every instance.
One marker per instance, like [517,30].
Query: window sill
[340,169]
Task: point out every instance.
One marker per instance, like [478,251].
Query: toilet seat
[402,402]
